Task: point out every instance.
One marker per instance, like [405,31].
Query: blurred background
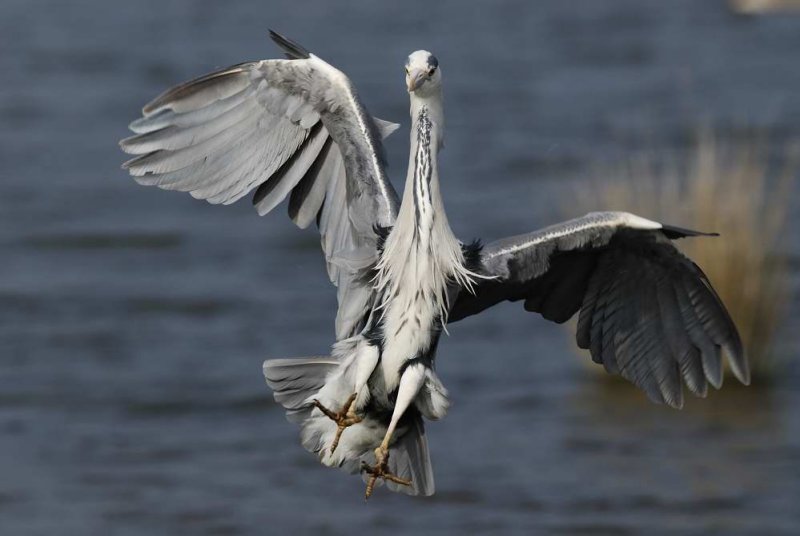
[133,322]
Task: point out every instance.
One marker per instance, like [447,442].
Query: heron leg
[365,363]
[410,384]
[380,470]
[343,418]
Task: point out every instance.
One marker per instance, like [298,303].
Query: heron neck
[422,221]
[422,182]
[430,107]
[421,252]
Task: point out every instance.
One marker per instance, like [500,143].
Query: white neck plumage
[421,254]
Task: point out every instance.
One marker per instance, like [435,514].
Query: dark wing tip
[737,359]
[293,50]
[672,232]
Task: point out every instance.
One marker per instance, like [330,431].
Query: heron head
[423,76]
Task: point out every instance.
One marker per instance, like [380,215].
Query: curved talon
[343,418]
[380,470]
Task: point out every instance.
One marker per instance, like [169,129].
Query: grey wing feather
[646,312]
[284,128]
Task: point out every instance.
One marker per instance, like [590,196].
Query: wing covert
[283,128]
[646,311]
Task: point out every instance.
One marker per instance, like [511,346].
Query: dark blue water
[133,322]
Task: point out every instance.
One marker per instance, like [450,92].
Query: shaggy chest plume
[421,258]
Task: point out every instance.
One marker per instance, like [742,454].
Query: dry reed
[726,188]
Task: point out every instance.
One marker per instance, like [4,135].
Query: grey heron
[296,128]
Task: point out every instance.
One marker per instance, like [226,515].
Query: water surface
[133,322]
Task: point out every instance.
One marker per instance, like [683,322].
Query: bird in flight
[297,128]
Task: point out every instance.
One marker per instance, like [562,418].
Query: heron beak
[416,78]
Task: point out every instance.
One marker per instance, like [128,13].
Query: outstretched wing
[646,311]
[284,128]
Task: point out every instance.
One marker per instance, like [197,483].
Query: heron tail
[297,382]
[293,381]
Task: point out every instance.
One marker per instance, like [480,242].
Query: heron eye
[433,70]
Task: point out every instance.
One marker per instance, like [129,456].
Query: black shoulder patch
[472,255]
[382,234]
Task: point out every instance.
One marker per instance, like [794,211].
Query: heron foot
[343,418]
[380,470]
